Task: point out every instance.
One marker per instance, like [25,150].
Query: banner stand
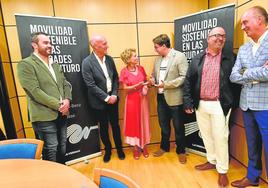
[70,45]
[191,38]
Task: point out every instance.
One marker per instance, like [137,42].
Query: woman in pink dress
[136,117]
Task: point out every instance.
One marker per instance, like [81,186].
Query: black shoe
[121,154]
[106,157]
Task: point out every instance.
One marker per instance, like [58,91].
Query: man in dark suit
[101,78]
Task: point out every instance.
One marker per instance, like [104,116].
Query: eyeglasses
[157,46]
[218,36]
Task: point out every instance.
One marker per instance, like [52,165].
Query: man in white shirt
[48,95]
[168,75]
[101,78]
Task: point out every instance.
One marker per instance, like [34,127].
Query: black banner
[191,38]
[70,46]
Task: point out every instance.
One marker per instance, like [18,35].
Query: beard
[44,51]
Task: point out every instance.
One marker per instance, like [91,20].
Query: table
[32,173]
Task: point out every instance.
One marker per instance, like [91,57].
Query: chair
[106,178]
[21,148]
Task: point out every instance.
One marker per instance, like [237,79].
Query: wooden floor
[165,171]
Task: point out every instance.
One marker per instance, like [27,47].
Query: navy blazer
[95,80]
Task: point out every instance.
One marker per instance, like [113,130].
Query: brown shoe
[244,182]
[159,153]
[182,158]
[223,180]
[205,166]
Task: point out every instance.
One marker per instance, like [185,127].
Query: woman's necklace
[132,70]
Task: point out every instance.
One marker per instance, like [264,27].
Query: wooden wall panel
[16,114]
[240,2]
[9,80]
[13,44]
[166,11]
[2,127]
[217,3]
[148,64]
[152,101]
[119,64]
[239,138]
[20,133]
[122,96]
[119,36]
[237,117]
[3,46]
[24,112]
[20,91]
[1,19]
[149,31]
[95,11]
[29,132]
[33,7]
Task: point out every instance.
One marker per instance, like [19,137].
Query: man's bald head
[99,45]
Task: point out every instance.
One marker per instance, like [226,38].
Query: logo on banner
[75,133]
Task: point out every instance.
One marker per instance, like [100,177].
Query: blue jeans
[54,135]
[257,134]
[165,114]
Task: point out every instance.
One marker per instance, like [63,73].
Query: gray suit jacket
[42,91]
[174,78]
[96,82]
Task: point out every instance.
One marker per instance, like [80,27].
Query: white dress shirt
[257,44]
[163,70]
[49,66]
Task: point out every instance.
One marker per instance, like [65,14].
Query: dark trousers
[165,114]
[104,117]
[54,135]
[256,126]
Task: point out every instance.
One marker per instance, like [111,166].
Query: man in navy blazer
[101,78]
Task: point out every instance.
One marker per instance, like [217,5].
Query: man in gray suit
[168,75]
[48,95]
[101,78]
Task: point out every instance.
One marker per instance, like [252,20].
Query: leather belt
[209,99]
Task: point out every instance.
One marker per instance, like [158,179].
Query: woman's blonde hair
[127,54]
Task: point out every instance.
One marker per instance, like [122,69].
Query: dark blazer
[191,90]
[96,82]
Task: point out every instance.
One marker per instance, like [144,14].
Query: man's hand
[64,107]
[112,99]
[189,110]
[241,71]
[161,84]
